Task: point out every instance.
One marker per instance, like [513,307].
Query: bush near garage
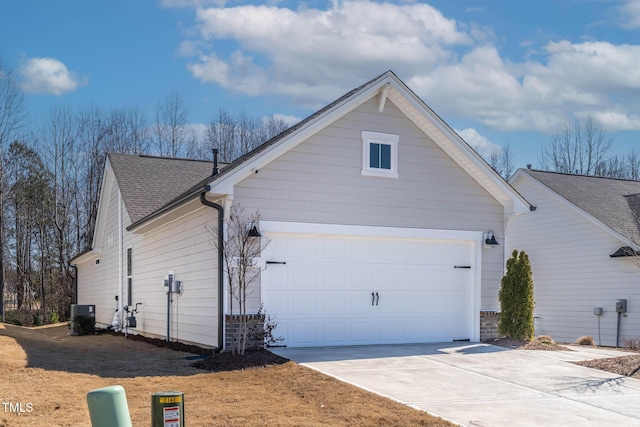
[516,299]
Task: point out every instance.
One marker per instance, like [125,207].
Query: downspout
[75,283]
[120,249]
[220,209]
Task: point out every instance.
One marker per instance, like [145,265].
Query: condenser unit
[88,310]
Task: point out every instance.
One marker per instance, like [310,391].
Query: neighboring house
[579,241]
[377,214]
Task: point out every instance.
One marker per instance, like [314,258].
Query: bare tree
[59,143]
[172,135]
[503,161]
[578,147]
[221,134]
[241,249]
[12,114]
[236,136]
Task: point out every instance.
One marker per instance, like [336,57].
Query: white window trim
[380,138]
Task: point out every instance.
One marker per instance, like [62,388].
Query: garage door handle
[377,298]
[373,298]
[276,262]
[461,266]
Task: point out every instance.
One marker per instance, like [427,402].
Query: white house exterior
[376,211]
[579,222]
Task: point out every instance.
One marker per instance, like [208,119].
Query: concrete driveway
[484,385]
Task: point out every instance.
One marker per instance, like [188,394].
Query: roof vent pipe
[215,162]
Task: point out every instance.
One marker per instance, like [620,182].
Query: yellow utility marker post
[167,409]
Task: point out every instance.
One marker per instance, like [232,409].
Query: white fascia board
[108,179]
[225,185]
[452,144]
[88,256]
[573,207]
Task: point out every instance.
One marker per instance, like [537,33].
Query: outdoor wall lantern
[490,239]
[253,232]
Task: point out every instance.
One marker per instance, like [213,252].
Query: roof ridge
[582,175]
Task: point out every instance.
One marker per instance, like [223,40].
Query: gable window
[379,154]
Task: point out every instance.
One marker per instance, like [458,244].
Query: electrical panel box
[176,286]
[597,311]
[621,305]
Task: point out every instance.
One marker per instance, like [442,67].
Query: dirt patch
[53,372]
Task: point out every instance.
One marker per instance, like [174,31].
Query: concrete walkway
[484,385]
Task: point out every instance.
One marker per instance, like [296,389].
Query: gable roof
[147,182]
[613,202]
[386,86]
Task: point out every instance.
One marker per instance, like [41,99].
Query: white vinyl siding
[320,181]
[183,246]
[572,270]
[98,283]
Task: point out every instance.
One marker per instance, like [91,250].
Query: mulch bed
[176,346]
[214,362]
[527,345]
[629,366]
[227,361]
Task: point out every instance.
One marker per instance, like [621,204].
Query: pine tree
[516,298]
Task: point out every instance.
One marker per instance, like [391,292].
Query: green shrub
[38,319]
[84,325]
[54,318]
[20,317]
[516,299]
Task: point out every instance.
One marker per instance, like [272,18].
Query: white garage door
[352,290]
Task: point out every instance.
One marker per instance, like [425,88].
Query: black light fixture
[490,239]
[253,232]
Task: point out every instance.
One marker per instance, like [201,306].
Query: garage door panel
[362,331]
[335,333]
[360,277]
[326,296]
[304,304]
[279,303]
[336,303]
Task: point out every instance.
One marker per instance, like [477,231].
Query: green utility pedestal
[167,409]
[108,407]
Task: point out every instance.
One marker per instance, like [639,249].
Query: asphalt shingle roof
[614,202]
[147,183]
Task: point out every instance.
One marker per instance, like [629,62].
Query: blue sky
[497,71]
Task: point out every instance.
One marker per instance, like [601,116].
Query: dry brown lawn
[53,373]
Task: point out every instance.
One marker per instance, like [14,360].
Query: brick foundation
[255,336]
[489,325]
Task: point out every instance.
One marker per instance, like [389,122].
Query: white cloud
[481,144]
[49,76]
[199,130]
[314,56]
[630,13]
[289,120]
